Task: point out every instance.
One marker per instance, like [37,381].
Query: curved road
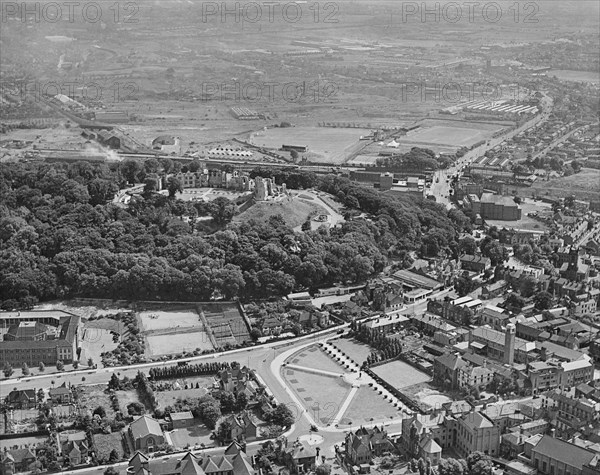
[266,359]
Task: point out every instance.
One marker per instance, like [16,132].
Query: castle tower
[509,343]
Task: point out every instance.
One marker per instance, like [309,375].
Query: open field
[127,397]
[354,349]
[314,357]
[444,135]
[579,76]
[169,398]
[93,396]
[94,342]
[169,319]
[584,185]
[197,435]
[368,406]
[294,211]
[177,343]
[325,144]
[321,395]
[32,441]
[400,374]
[105,324]
[106,443]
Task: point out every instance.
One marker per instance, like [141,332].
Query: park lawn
[400,374]
[106,443]
[368,406]
[356,350]
[314,357]
[321,396]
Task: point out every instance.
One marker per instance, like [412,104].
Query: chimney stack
[509,344]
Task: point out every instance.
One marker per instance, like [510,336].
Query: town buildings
[554,456]
[234,461]
[39,336]
[212,178]
[364,444]
[465,432]
[475,263]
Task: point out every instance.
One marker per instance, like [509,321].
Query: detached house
[229,378]
[299,457]
[17,460]
[241,428]
[61,394]
[21,398]
[364,444]
[73,446]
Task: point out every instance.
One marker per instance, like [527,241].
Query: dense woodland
[61,236]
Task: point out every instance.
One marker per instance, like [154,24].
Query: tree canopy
[62,236]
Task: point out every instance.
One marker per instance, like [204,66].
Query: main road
[267,360]
[440,187]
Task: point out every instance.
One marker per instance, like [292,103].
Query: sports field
[332,145]
[400,374]
[161,319]
[226,322]
[177,343]
[442,135]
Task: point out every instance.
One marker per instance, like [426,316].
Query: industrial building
[499,207]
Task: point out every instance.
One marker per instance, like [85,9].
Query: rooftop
[565,452]
[416,280]
[498,199]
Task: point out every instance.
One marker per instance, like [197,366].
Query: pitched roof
[19,455]
[234,448]
[189,465]
[144,426]
[451,361]
[242,466]
[431,447]
[476,420]
[565,452]
[21,394]
[301,449]
[181,416]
